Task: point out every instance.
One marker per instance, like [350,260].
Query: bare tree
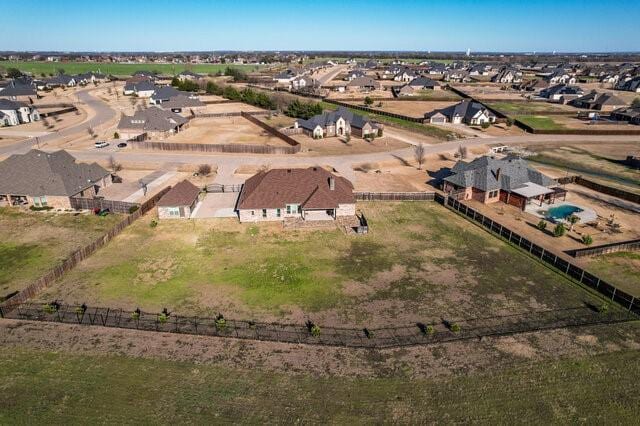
[419,154]
[114,165]
[91,132]
[462,151]
[204,170]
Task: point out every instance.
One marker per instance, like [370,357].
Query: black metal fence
[387,337]
[631,245]
[574,272]
[394,196]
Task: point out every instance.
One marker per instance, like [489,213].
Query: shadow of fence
[380,338]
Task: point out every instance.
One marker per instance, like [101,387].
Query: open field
[410,108]
[541,122]
[227,130]
[33,242]
[621,269]
[63,387]
[560,122]
[229,107]
[600,161]
[37,68]
[419,262]
[339,146]
[436,95]
[492,91]
[383,93]
[531,108]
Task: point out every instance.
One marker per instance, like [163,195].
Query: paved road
[103,113]
[331,74]
[227,163]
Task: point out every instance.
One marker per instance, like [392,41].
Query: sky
[400,25]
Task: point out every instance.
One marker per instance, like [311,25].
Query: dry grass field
[226,130]
[409,108]
[419,262]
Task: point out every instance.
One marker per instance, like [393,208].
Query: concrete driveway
[216,205]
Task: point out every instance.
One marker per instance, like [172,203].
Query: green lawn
[63,388]
[529,108]
[33,242]
[37,68]
[540,122]
[621,269]
[419,262]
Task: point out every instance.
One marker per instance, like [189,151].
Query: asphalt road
[103,113]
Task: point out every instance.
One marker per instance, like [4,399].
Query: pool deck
[587,214]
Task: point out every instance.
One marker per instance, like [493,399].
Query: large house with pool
[510,179]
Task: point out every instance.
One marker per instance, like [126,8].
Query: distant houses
[363,84]
[13,113]
[467,112]
[507,75]
[42,180]
[341,122]
[22,90]
[416,86]
[561,93]
[598,101]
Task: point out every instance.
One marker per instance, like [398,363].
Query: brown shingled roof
[309,188]
[183,194]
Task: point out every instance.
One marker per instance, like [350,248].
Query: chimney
[332,183]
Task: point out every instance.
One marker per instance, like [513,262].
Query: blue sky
[163,25]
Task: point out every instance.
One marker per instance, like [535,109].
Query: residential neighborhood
[256,213]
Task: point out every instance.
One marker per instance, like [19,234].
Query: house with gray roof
[364,84]
[48,179]
[630,84]
[511,180]
[467,111]
[164,93]
[415,86]
[151,123]
[61,81]
[13,113]
[184,103]
[598,101]
[19,90]
[340,122]
[141,88]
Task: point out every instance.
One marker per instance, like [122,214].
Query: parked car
[101,144]
[122,145]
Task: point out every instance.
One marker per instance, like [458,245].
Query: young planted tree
[636,103]
[573,219]
[204,170]
[114,165]
[419,154]
[368,101]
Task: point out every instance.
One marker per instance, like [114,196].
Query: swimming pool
[562,212]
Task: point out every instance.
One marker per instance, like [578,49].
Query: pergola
[533,191]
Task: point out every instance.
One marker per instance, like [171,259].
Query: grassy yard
[602,162]
[621,269]
[529,108]
[37,68]
[58,387]
[33,242]
[540,122]
[419,262]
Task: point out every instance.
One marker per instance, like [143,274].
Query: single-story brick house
[340,122]
[179,202]
[511,180]
[309,194]
[152,123]
[467,111]
[48,179]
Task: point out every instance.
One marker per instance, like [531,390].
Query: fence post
[630,303]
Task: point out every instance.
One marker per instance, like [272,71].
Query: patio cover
[530,190]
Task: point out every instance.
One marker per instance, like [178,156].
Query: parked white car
[101,144]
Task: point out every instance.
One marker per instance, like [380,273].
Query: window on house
[293,208]
[173,211]
[253,213]
[264,212]
[278,213]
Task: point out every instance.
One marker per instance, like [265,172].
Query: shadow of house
[437,176]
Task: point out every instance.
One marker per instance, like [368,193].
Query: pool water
[562,212]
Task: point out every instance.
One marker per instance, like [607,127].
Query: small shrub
[587,240]
[603,308]
[542,225]
[510,122]
[133,209]
[559,230]
[80,310]
[315,330]
[116,135]
[153,223]
[368,333]
[135,315]
[40,209]
[485,125]
[164,316]
[429,330]
[455,327]
[204,170]
[49,308]
[221,323]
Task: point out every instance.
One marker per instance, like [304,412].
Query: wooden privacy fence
[376,111]
[223,148]
[394,196]
[387,337]
[609,190]
[102,204]
[272,130]
[79,255]
[564,266]
[631,245]
[590,131]
[58,112]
